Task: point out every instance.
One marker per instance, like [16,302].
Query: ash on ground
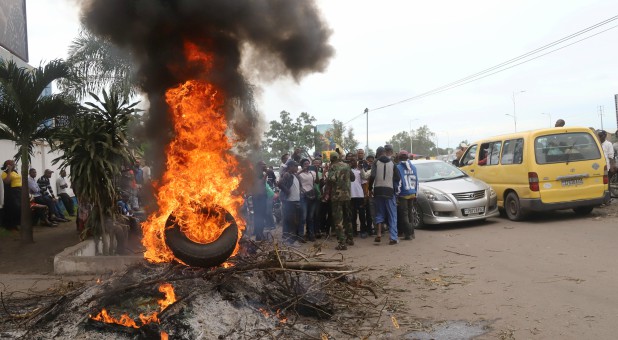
[267,292]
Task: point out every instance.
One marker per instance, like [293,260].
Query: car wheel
[513,207]
[417,216]
[583,210]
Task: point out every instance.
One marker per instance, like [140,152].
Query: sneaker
[350,241]
[377,239]
[391,242]
[341,246]
[363,235]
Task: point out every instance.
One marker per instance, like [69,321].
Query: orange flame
[127,321]
[201,170]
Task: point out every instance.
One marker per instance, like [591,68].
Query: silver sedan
[446,194]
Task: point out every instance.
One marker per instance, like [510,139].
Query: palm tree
[99,64]
[95,148]
[25,116]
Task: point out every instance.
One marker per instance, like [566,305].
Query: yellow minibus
[541,170]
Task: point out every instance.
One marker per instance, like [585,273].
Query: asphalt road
[552,277]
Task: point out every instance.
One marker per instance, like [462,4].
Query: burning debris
[270,292]
[190,56]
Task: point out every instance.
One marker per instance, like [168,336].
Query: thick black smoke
[285,38]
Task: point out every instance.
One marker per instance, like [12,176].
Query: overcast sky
[391,50]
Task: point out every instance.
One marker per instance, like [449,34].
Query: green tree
[349,142]
[422,141]
[99,64]
[285,135]
[344,137]
[27,117]
[95,147]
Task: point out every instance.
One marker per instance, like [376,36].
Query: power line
[500,67]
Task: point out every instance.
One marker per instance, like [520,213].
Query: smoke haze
[280,38]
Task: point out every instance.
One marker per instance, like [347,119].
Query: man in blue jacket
[408,186]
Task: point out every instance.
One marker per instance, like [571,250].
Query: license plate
[477,210]
[572,182]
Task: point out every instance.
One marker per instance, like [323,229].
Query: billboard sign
[324,138]
[13,28]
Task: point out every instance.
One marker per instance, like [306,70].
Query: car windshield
[437,171]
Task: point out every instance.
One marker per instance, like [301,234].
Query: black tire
[198,254]
[417,216]
[513,207]
[582,211]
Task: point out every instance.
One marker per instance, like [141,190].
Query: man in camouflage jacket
[339,178]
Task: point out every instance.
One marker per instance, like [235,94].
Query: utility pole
[601,107]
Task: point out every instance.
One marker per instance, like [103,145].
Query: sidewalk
[37,257]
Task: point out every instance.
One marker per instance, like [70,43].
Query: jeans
[307,216]
[386,210]
[291,219]
[67,201]
[358,213]
[405,213]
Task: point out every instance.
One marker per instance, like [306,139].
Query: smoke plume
[283,38]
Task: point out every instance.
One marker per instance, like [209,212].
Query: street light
[514,115]
[548,114]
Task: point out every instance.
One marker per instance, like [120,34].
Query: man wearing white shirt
[65,193]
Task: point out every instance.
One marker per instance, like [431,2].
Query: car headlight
[434,196]
[491,192]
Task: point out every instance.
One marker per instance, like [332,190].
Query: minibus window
[513,151]
[565,147]
[469,157]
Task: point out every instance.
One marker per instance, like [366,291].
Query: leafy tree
[349,142]
[421,143]
[95,148]
[344,137]
[100,64]
[288,133]
[26,116]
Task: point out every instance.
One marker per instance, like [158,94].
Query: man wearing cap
[383,182]
[48,194]
[408,186]
[388,151]
[339,178]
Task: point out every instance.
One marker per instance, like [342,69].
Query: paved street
[552,277]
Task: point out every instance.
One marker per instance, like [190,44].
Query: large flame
[201,170]
[127,321]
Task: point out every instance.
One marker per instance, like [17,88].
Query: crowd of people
[53,203]
[47,202]
[350,196]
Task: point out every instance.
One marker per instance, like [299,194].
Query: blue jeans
[386,210]
[307,216]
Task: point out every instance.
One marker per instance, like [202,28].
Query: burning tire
[198,254]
